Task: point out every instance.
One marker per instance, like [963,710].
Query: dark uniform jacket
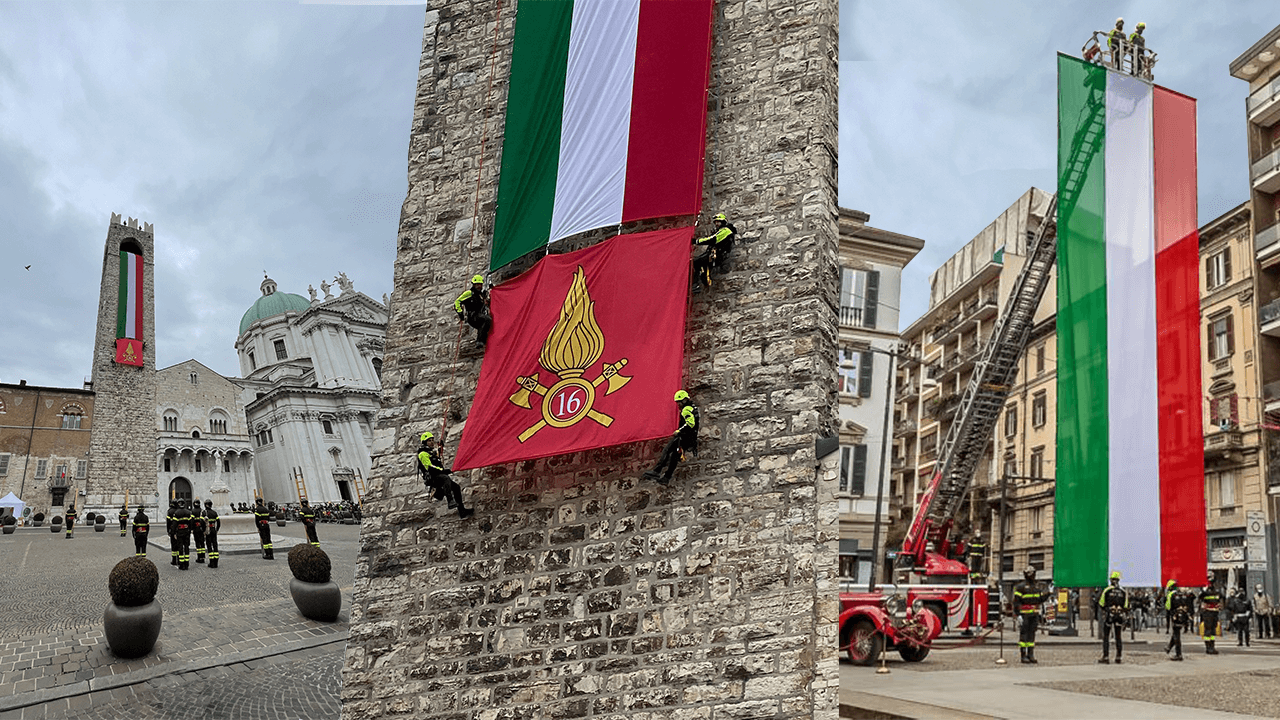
[141,524]
[1210,601]
[1028,596]
[1114,601]
[212,521]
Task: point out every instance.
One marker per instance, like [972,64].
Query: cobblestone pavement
[231,636]
[1250,693]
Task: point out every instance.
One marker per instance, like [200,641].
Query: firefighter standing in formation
[1178,603]
[1210,606]
[262,518]
[437,478]
[1241,616]
[1114,602]
[198,526]
[684,439]
[1028,596]
[718,246]
[472,307]
[309,522]
[124,518]
[977,553]
[213,524]
[182,526]
[71,519]
[141,526]
[170,521]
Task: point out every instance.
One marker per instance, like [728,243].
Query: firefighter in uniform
[170,521]
[309,522]
[182,525]
[71,519]
[1028,596]
[437,478]
[718,246]
[1114,604]
[977,554]
[1178,604]
[198,526]
[262,518]
[1137,46]
[1210,606]
[124,518]
[213,524]
[683,440]
[472,306]
[1116,44]
[141,526]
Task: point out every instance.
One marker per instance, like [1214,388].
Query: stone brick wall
[122,446]
[31,418]
[579,590]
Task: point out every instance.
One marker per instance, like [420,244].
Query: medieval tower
[122,444]
[580,589]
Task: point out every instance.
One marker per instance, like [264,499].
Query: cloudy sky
[254,136]
[948,107]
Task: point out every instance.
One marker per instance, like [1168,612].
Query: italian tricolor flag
[129,310]
[606,118]
[1130,462]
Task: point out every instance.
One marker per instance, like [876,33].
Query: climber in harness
[437,478]
[718,246]
[684,439]
[472,306]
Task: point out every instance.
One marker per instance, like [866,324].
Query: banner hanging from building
[1130,462]
[586,351]
[129,323]
[606,118]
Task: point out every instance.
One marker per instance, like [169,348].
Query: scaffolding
[1127,57]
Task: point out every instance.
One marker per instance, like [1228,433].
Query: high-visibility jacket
[473,303]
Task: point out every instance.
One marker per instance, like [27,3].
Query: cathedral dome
[272,303]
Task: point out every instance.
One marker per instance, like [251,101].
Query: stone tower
[578,589]
[122,444]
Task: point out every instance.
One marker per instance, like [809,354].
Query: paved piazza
[232,644]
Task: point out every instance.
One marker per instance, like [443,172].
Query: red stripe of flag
[1183,551]
[668,109]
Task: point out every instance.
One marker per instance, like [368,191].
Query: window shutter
[1208,342]
[82,469]
[1213,412]
[1226,265]
[873,299]
[1208,273]
[864,374]
[858,482]
[1235,409]
[845,470]
[1231,334]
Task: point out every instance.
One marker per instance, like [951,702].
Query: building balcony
[1269,319]
[904,427]
[898,462]
[1264,104]
[980,307]
[1220,442]
[1265,172]
[851,316]
[1267,240]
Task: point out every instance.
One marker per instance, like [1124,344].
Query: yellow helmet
[426,436]
[477,279]
[681,395]
[720,216]
[1115,574]
[1170,584]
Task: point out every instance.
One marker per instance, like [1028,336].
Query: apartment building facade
[871,263]
[968,293]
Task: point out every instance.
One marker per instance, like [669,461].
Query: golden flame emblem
[574,344]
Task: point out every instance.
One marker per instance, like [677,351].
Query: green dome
[276,303]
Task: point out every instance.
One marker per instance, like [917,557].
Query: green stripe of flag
[122,306]
[1080,520]
[531,139]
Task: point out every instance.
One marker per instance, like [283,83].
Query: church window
[377,367]
[195,434]
[226,465]
[82,469]
[280,351]
[198,466]
[218,426]
[253,364]
[167,467]
[70,422]
[171,422]
[328,427]
[193,378]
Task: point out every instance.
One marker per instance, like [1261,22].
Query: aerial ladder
[927,543]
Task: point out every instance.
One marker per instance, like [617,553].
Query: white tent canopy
[12,501]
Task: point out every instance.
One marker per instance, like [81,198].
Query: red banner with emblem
[586,351]
[129,351]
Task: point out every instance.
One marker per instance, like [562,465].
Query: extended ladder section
[994,374]
[300,483]
[359,483]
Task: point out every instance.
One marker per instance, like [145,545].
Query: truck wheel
[913,653]
[864,643]
[940,611]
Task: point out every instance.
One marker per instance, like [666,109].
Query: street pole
[876,555]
